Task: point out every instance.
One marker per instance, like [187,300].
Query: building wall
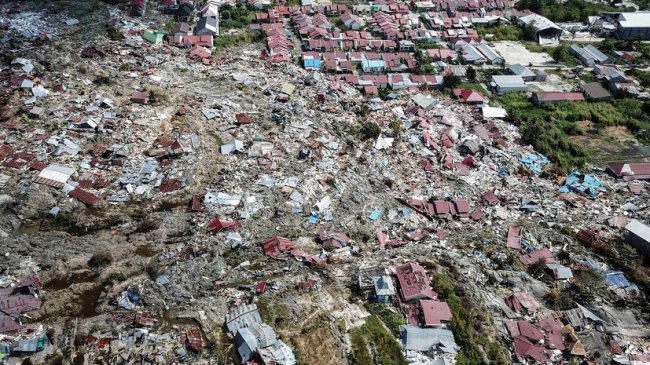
[628,33]
[510,89]
[639,243]
[383,298]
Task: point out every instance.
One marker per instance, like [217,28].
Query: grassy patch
[472,86]
[390,318]
[271,313]
[477,348]
[360,354]
[388,350]
[562,54]
[504,32]
[231,40]
[548,128]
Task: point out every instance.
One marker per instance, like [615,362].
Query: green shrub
[231,40]
[564,11]
[369,130]
[360,354]
[391,319]
[502,32]
[476,348]
[548,128]
[100,259]
[388,350]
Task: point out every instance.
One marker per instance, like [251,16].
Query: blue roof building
[312,63]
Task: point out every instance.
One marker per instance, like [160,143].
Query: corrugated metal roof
[423,339]
[639,229]
[55,175]
[639,19]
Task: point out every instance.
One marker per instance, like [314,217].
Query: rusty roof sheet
[84,196]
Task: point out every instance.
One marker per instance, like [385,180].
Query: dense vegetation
[564,11]
[562,54]
[235,17]
[477,348]
[548,128]
[642,76]
[375,334]
[628,45]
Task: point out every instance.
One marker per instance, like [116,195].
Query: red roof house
[414,282]
[553,97]
[630,170]
[435,313]
[469,96]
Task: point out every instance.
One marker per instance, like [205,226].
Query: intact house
[503,84]
[429,341]
[470,55]
[555,97]
[469,96]
[523,71]
[372,66]
[351,21]
[630,170]
[414,282]
[185,12]
[589,55]
[490,54]
[595,91]
[435,313]
[384,289]
[207,26]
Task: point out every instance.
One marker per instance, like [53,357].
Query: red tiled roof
[18,304]
[8,324]
[525,348]
[522,300]
[196,204]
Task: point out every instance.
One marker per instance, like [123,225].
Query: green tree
[530,31]
[450,81]
[590,284]
[471,73]
[628,254]
[607,45]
